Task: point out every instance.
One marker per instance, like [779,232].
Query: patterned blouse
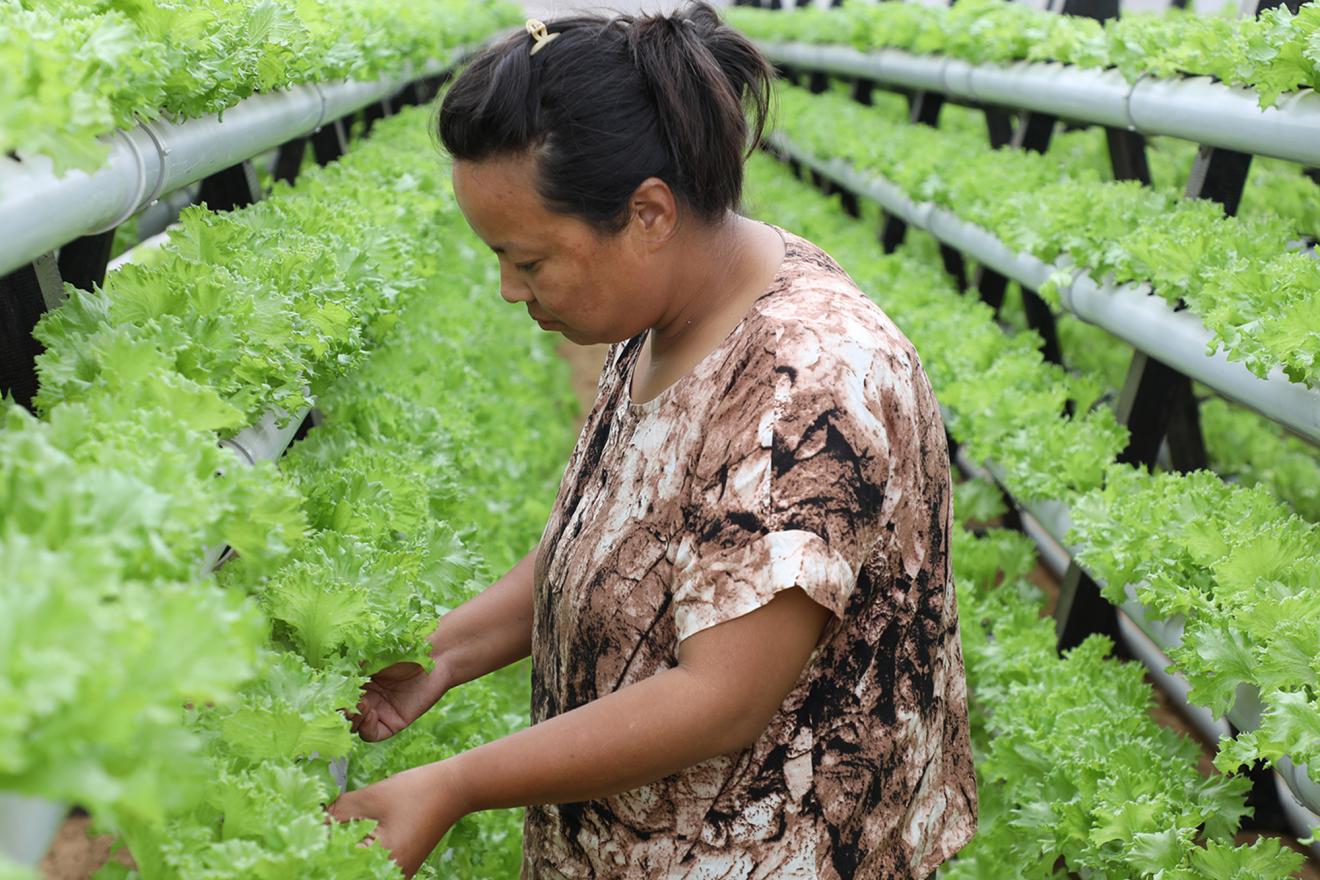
[806,450]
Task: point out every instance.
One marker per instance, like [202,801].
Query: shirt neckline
[637,341]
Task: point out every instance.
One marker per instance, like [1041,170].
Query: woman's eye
[527,267]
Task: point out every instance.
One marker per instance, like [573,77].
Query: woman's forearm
[626,739]
[729,682]
[489,631]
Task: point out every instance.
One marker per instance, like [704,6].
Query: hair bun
[617,101]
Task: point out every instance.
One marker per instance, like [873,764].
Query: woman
[740,615]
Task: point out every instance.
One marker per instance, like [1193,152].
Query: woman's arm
[729,682]
[489,631]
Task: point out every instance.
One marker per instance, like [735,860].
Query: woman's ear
[654,212]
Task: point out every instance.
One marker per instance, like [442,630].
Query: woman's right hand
[394,698]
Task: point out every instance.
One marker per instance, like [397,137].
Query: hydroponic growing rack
[59,228]
[1170,345]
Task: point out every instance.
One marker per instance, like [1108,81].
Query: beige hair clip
[538,32]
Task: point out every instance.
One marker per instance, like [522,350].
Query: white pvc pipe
[1193,108]
[264,441]
[40,211]
[138,251]
[1166,633]
[1247,707]
[1145,321]
[1207,112]
[1304,791]
[1180,340]
[339,772]
[1098,96]
[957,78]
[27,826]
[838,60]
[1304,816]
[989,250]
[269,437]
[1156,662]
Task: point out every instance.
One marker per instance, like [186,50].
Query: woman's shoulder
[816,319]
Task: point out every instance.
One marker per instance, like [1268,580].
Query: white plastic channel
[1156,662]
[27,826]
[264,441]
[1303,820]
[1207,112]
[339,772]
[1099,96]
[1193,108]
[40,211]
[1180,340]
[1129,312]
[136,253]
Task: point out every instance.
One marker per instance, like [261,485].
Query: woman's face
[592,288]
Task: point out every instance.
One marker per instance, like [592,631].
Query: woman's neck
[720,274]
[720,277]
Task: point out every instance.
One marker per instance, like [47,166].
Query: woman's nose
[513,288]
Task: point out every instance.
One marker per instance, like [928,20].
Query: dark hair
[612,101]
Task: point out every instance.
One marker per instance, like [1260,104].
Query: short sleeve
[786,494]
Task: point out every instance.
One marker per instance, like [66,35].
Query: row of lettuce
[1274,53]
[1074,775]
[76,70]
[195,715]
[1243,276]
[1236,563]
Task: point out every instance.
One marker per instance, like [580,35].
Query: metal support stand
[230,188]
[851,206]
[25,295]
[374,112]
[863,92]
[1156,402]
[923,109]
[329,142]
[1220,175]
[1082,612]
[289,159]
[999,126]
[1127,155]
[1033,133]
[83,261]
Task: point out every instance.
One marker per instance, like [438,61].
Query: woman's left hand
[414,810]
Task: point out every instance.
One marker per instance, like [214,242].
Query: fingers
[364,716]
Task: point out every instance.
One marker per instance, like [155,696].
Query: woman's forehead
[500,200]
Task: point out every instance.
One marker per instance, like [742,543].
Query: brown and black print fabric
[807,450]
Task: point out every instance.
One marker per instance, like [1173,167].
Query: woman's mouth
[545,323]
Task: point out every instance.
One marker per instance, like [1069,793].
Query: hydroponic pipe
[1130,312]
[264,441]
[1156,662]
[1181,341]
[27,826]
[40,211]
[1302,819]
[1193,108]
